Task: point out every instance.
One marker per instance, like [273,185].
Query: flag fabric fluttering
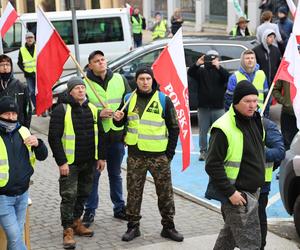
[8,18]
[170,72]
[292,7]
[52,53]
[289,71]
[129,9]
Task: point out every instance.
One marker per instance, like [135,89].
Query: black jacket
[20,60]
[171,121]
[268,60]
[252,170]
[112,136]
[20,169]
[14,88]
[83,124]
[211,85]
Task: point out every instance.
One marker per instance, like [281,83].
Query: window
[13,38]
[193,52]
[129,69]
[100,30]
[89,30]
[229,52]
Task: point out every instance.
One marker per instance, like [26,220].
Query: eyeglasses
[5,65]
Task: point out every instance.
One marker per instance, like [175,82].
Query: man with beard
[10,86]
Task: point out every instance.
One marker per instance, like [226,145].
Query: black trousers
[262,204]
[289,128]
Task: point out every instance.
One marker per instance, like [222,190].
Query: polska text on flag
[52,53]
[170,72]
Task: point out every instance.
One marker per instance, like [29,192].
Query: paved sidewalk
[199,225]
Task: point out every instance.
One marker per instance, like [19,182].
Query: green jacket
[281,93]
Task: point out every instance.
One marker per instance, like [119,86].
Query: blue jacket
[274,150]
[232,82]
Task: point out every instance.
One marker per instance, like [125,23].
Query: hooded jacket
[10,86]
[232,82]
[268,56]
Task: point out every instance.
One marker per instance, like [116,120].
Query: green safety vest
[235,141]
[112,97]
[4,164]
[68,139]
[160,30]
[137,25]
[258,83]
[234,31]
[29,62]
[149,132]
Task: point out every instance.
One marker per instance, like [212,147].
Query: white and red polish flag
[292,7]
[129,9]
[170,72]
[8,19]
[289,70]
[52,53]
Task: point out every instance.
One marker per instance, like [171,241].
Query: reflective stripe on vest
[4,165]
[112,97]
[68,139]
[235,141]
[258,83]
[160,30]
[137,25]
[29,62]
[150,132]
[268,171]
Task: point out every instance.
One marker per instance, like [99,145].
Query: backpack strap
[162,99]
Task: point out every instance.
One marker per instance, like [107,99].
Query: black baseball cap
[94,53]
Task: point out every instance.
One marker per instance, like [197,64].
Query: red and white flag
[8,19]
[289,70]
[170,72]
[52,53]
[292,7]
[129,9]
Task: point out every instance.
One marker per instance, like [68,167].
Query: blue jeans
[206,117]
[12,219]
[115,156]
[31,87]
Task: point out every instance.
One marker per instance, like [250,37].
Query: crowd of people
[101,114]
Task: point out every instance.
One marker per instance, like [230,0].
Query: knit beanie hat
[8,104]
[242,89]
[144,70]
[74,81]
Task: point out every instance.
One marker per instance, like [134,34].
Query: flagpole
[127,102]
[88,81]
[267,99]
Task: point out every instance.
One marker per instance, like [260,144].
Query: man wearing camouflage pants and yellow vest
[152,134]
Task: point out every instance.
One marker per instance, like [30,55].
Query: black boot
[131,233]
[172,234]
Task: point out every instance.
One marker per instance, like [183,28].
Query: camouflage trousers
[242,227]
[159,167]
[74,190]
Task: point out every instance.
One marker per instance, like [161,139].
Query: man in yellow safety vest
[152,134]
[236,166]
[138,25]
[77,140]
[27,63]
[160,27]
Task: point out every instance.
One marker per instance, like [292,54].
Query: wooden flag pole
[267,99]
[88,81]
[127,102]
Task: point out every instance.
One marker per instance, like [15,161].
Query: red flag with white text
[52,53]
[8,18]
[170,72]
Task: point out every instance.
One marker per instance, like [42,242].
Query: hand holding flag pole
[88,81]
